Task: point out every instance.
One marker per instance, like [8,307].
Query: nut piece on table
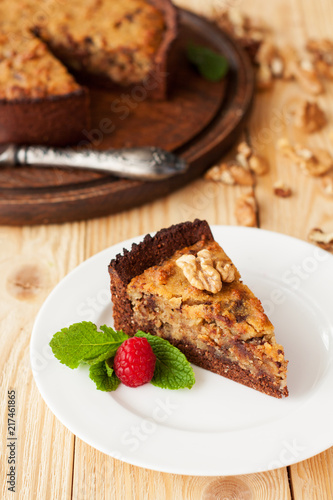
[314,162]
[239,171]
[322,239]
[282,190]
[302,70]
[230,173]
[205,274]
[246,210]
[307,77]
[244,149]
[258,165]
[309,117]
[322,56]
[249,33]
[250,160]
[327,184]
[286,148]
[270,65]
[286,63]
[264,77]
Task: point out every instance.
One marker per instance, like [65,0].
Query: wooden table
[51,462]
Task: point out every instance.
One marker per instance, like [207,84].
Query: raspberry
[134,362]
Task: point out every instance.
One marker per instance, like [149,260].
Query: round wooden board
[199,121]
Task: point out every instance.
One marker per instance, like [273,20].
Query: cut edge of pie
[223,329]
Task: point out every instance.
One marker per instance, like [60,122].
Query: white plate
[218,427]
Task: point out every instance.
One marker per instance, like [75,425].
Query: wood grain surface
[50,462]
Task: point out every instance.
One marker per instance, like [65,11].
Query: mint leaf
[115,337]
[82,342]
[104,376]
[211,65]
[172,370]
[109,367]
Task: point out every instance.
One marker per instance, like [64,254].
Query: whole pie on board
[42,44]
[180,285]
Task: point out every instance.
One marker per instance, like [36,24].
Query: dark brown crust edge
[53,120]
[152,251]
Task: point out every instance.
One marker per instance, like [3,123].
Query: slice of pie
[180,285]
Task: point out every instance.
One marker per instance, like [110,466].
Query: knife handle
[143,163]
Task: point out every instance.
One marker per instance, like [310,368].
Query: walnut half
[204,273]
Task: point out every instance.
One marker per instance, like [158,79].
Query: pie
[43,45]
[181,285]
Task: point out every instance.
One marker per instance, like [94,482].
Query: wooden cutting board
[199,121]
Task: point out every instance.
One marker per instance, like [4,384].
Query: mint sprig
[172,370]
[82,343]
[210,64]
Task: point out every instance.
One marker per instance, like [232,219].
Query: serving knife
[142,163]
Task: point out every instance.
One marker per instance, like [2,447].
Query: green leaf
[211,65]
[117,338]
[172,370]
[109,367]
[82,342]
[104,377]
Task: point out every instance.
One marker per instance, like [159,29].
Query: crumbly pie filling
[116,40]
[230,323]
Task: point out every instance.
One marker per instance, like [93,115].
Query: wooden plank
[313,478]
[99,476]
[32,261]
[310,479]
[271,119]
